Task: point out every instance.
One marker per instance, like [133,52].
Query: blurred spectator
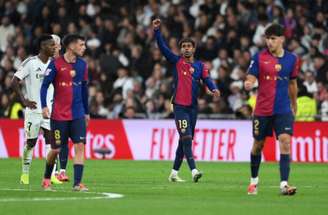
[306,105]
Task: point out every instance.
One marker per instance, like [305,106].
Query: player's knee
[31,143]
[257,147]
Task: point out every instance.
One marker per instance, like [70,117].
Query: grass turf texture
[146,190]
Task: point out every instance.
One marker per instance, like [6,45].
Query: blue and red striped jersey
[70,88]
[186,75]
[273,75]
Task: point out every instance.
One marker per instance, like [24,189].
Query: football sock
[63,155]
[78,171]
[255,164]
[26,159]
[186,144]
[178,157]
[48,171]
[48,149]
[54,170]
[284,167]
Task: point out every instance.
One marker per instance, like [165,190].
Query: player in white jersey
[32,72]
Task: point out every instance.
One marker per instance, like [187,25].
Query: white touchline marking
[103,196]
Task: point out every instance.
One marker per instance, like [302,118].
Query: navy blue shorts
[263,126]
[62,130]
[185,120]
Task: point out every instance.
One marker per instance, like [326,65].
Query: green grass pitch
[146,190]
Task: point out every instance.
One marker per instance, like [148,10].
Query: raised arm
[169,55]
[50,75]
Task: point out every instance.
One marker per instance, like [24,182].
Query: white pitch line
[104,196]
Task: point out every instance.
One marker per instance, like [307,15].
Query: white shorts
[32,124]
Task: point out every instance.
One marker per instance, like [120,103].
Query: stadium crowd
[129,78]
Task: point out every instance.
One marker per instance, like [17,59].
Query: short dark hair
[71,38]
[187,40]
[43,38]
[274,30]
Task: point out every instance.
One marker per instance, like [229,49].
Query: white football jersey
[32,71]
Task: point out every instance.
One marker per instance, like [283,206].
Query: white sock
[63,170]
[26,159]
[255,180]
[174,172]
[194,171]
[54,169]
[48,149]
[283,184]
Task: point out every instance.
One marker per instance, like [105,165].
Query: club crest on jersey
[72,73]
[191,70]
[277,67]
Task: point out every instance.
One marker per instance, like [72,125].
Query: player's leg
[31,126]
[262,127]
[173,177]
[56,137]
[195,173]
[184,127]
[77,131]
[63,159]
[48,136]
[283,125]
[180,117]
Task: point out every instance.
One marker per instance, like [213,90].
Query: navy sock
[48,170]
[284,167]
[78,172]
[63,156]
[255,164]
[178,157]
[186,144]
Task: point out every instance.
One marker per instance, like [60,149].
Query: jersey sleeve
[50,75]
[253,68]
[207,79]
[23,70]
[85,93]
[296,69]
[169,55]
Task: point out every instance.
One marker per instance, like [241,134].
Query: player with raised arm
[70,115]
[276,71]
[32,72]
[187,73]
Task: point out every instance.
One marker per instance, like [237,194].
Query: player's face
[49,48]
[78,47]
[274,43]
[187,49]
[57,49]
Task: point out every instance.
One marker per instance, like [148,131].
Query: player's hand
[87,119]
[29,104]
[216,93]
[248,85]
[294,110]
[156,23]
[46,113]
